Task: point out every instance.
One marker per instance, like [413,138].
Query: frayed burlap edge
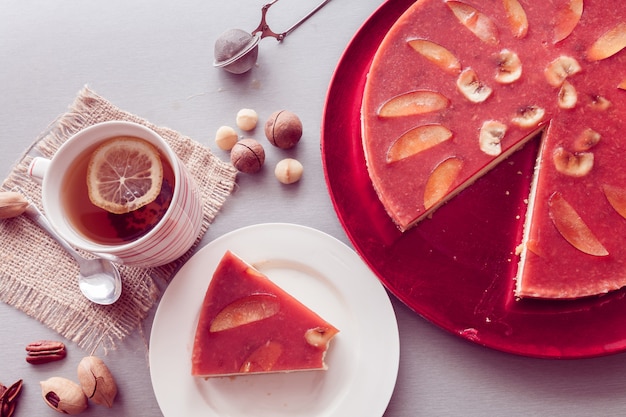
[38,278]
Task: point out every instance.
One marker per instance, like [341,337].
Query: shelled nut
[44,351]
[288,171]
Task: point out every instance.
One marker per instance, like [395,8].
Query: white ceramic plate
[325,275]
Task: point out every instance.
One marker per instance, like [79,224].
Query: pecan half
[44,351]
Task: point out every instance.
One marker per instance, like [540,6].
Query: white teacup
[65,197]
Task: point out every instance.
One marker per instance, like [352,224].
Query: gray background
[153,58]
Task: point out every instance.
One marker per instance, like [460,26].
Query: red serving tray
[457,269]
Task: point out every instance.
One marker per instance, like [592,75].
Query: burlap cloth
[39,278]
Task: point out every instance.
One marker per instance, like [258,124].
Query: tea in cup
[154,234]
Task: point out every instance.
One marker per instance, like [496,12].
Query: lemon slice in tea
[124,174]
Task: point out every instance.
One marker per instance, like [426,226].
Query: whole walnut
[283,129]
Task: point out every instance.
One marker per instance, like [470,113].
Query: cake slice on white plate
[249,325]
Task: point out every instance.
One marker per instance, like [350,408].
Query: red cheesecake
[457,86]
[249,325]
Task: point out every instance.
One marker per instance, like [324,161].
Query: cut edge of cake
[428,212]
[522,249]
[492,164]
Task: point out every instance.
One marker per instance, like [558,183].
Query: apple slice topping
[478,23]
[440,181]
[608,44]
[562,67]
[528,116]
[516,15]
[413,103]
[509,67]
[417,140]
[567,19]
[568,96]
[263,358]
[245,310]
[490,137]
[616,197]
[622,85]
[572,164]
[437,54]
[572,227]
[471,87]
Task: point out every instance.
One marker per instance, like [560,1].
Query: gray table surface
[153,58]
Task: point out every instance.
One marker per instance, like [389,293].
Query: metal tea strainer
[236,50]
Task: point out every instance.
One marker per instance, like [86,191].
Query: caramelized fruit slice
[599,103]
[478,23]
[529,116]
[572,164]
[616,197]
[437,54]
[586,140]
[490,137]
[417,140]
[568,96]
[562,67]
[608,44]
[319,337]
[472,87]
[263,358]
[245,310]
[413,103]
[440,181]
[516,15]
[567,19]
[509,67]
[572,227]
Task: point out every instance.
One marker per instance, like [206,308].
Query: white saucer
[322,273]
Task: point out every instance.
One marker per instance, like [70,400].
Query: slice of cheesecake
[457,86]
[249,325]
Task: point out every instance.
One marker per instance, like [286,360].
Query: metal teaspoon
[98,279]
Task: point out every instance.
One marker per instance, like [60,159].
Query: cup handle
[38,167]
[109,257]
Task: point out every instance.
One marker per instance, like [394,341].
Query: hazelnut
[225,138]
[247,156]
[288,171]
[247,119]
[283,129]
